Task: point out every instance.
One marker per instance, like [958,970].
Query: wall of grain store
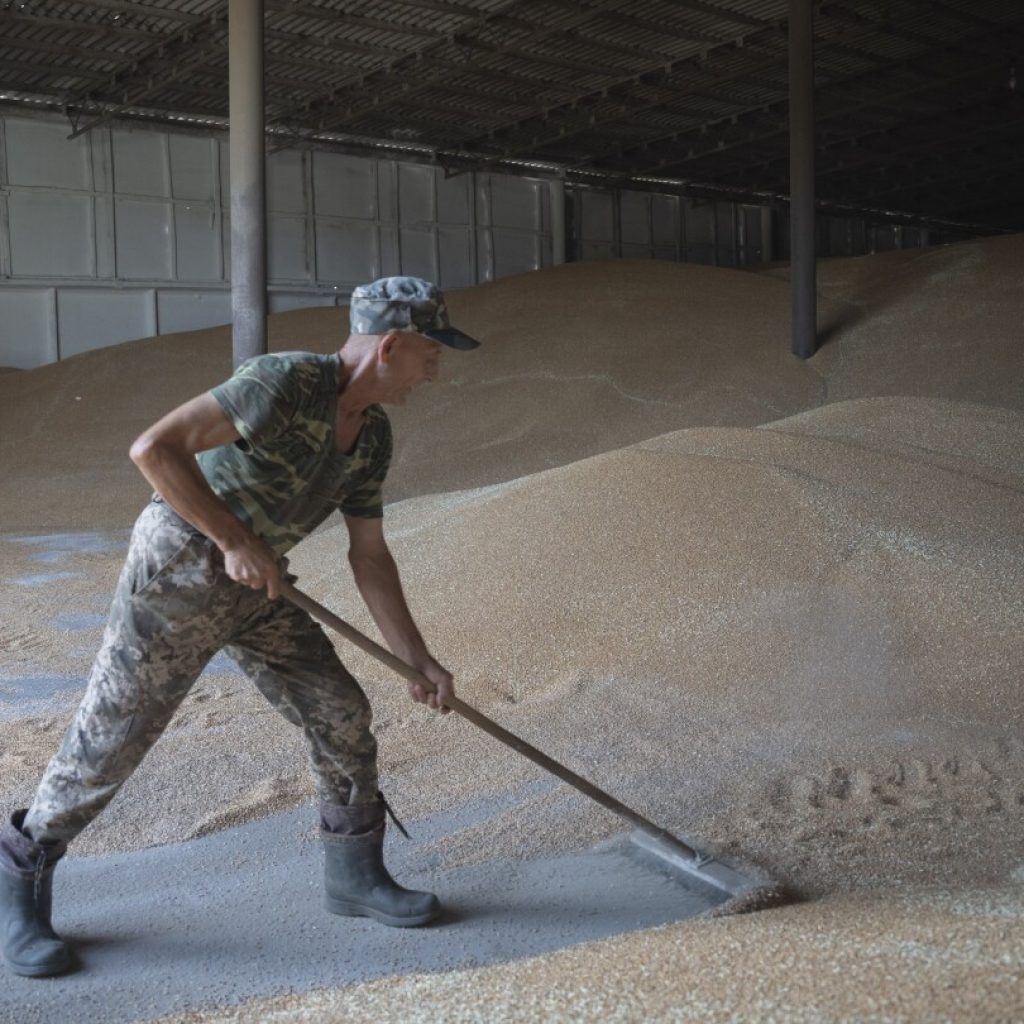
[124,232]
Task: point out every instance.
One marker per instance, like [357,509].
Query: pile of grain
[912,957]
[786,623]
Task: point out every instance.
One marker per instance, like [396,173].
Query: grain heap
[779,605]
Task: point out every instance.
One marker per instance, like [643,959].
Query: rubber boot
[30,946]
[356,882]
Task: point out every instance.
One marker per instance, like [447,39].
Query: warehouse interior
[724,513]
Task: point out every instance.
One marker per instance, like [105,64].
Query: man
[241,475]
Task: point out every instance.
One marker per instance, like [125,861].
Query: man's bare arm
[377,578]
[165,454]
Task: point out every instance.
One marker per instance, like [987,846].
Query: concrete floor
[238,915]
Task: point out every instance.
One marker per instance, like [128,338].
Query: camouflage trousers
[175,608]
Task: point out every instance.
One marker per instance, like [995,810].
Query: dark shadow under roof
[917,102]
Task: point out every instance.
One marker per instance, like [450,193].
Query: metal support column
[248,180]
[801,176]
[556,191]
[767,235]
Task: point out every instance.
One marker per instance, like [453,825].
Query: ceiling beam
[662,28]
[822,44]
[137,80]
[961,122]
[462,39]
[969,18]
[956,173]
[213,67]
[674,160]
[943,149]
[38,69]
[584,119]
[920,65]
[120,7]
[323,105]
[774,61]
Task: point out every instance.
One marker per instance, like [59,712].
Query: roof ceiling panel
[691,88]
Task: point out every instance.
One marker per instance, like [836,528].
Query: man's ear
[386,346]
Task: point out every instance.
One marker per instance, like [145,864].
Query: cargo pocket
[162,548]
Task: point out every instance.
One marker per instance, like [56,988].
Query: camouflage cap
[404,304]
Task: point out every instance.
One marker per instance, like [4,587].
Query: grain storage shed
[466,141]
[724,514]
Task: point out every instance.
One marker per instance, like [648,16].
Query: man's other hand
[253,563]
[442,679]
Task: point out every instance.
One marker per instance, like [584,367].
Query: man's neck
[356,385]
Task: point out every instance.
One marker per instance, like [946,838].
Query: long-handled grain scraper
[733,891]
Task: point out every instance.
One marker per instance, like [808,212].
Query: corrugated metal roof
[691,89]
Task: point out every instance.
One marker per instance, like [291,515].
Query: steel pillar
[767,235]
[248,180]
[556,192]
[801,177]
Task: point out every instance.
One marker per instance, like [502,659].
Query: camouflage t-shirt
[284,476]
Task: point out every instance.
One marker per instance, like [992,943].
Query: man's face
[405,361]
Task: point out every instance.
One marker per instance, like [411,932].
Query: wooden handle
[538,757]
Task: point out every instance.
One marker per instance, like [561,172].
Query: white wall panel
[838,230]
[418,257]
[597,217]
[286,248]
[281,302]
[635,252]
[485,254]
[51,234]
[514,253]
[28,327]
[90,318]
[453,199]
[224,172]
[883,238]
[286,181]
[143,238]
[699,231]
[665,222]
[635,213]
[102,165]
[197,237]
[390,258]
[344,186]
[179,310]
[225,233]
[387,191]
[725,234]
[753,243]
[859,233]
[131,214]
[515,202]
[141,165]
[39,154]
[415,194]
[346,251]
[192,167]
[597,251]
[457,268]
[106,246]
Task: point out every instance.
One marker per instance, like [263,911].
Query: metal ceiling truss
[823,90]
[775,61]
[669,162]
[595,90]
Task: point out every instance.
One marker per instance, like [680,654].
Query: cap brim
[452,338]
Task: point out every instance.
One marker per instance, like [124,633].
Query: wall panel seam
[6,250]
